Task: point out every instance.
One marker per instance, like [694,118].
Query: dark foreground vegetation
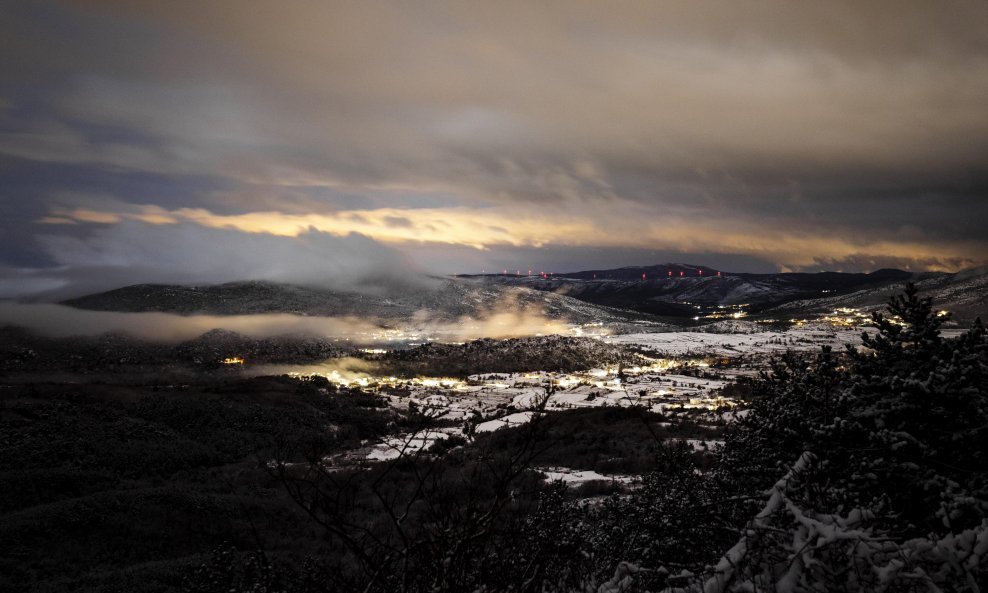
[854,471]
[111,487]
[124,488]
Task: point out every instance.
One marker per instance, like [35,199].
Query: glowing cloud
[628,227]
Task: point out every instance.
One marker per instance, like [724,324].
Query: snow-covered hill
[680,290]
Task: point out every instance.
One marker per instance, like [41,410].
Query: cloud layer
[134,252]
[797,136]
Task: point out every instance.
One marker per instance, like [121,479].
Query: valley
[256,401]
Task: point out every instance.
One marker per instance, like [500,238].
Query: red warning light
[700,272]
[670,273]
[681,273]
[643,275]
[718,274]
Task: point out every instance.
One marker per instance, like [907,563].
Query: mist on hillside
[61,321]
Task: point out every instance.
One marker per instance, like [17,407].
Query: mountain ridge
[453,299]
[620,294]
[672,291]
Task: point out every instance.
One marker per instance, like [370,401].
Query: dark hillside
[115,488]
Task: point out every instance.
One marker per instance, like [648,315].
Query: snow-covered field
[677,381]
[734,344]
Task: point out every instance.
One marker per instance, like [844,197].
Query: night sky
[334,142]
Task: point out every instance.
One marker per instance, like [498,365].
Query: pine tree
[889,492]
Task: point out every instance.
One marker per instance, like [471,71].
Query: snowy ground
[667,384]
[577,477]
[759,343]
[408,444]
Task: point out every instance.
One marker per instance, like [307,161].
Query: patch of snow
[573,476]
[408,444]
[516,419]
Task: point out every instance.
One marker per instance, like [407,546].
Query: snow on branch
[790,549]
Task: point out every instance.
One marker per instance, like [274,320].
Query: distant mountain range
[674,290]
[667,293]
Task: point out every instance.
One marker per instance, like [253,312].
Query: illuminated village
[686,389]
[683,381]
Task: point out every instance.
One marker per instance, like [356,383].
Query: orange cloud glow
[485,228]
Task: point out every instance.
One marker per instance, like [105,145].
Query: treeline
[549,353]
[23,352]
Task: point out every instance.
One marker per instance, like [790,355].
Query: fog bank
[54,320]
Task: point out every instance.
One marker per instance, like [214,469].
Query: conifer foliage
[887,450]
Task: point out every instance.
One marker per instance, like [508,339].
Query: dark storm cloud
[129,253]
[802,135]
[558,259]
[870,262]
